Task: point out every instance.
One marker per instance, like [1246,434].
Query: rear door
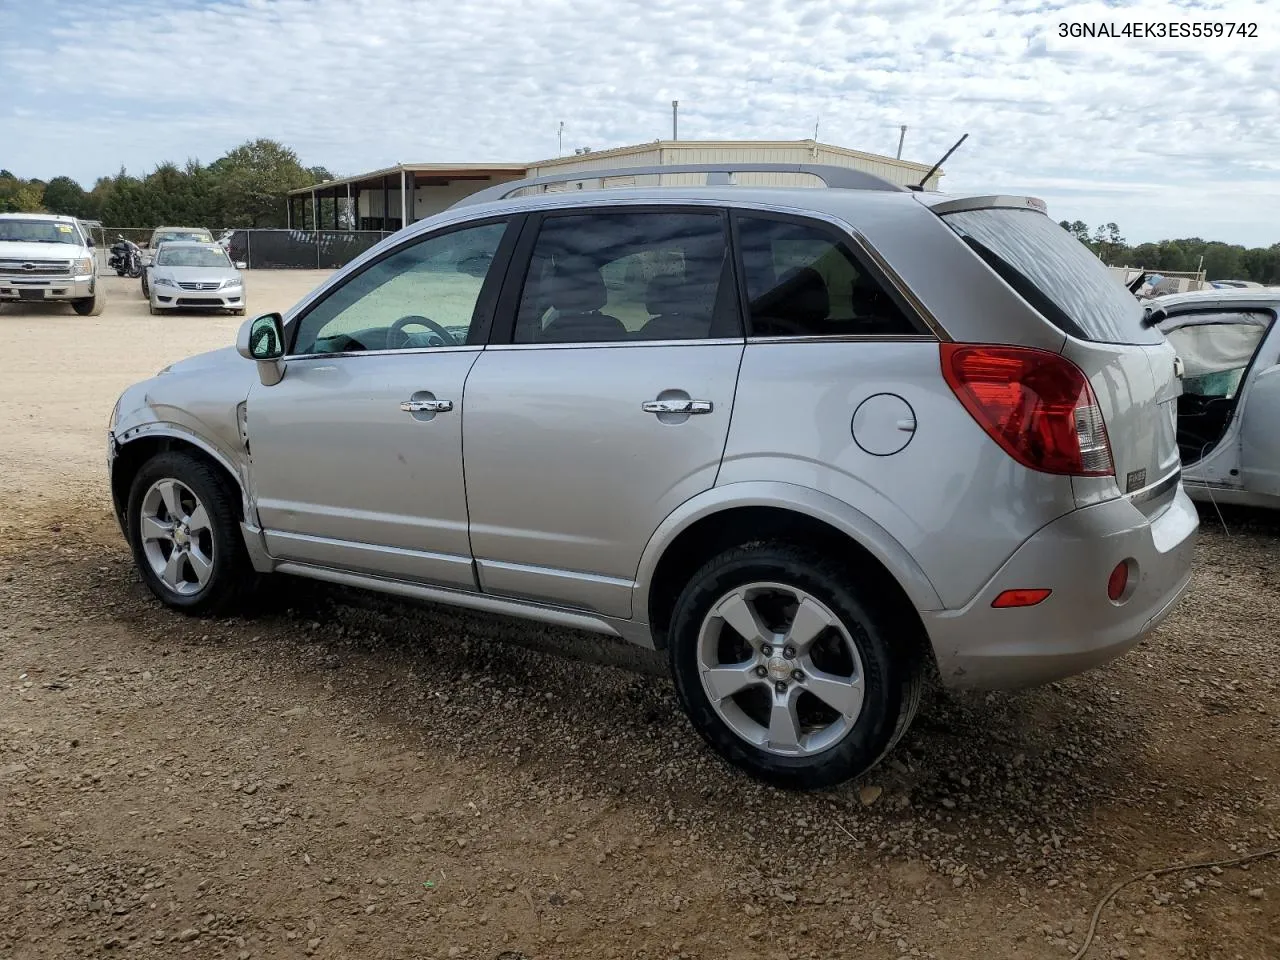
[605,405]
[1260,420]
[1130,365]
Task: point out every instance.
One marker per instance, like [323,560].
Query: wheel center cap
[180,536]
[779,668]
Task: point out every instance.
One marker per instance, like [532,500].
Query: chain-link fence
[267,249]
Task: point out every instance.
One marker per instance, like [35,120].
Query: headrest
[665,293]
[800,295]
[576,286]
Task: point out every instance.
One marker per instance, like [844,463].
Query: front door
[356,455]
[608,405]
[1260,421]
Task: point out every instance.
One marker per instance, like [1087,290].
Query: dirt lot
[339,777]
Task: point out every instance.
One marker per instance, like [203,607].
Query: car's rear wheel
[185,535]
[90,306]
[790,668]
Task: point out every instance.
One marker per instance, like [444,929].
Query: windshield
[191,236]
[39,231]
[1055,273]
[192,257]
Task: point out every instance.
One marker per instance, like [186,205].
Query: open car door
[1260,421]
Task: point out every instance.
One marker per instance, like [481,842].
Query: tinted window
[1055,273]
[608,277]
[802,280]
[423,295]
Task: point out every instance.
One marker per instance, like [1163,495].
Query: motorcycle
[126,258]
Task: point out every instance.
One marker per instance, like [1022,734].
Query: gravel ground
[336,775]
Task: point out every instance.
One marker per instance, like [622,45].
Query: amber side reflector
[1020,598]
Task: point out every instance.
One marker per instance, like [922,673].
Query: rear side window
[610,277]
[1055,273]
[803,281]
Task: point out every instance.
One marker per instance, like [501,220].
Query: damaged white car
[1228,425]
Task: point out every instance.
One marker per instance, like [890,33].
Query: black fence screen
[267,249]
[300,249]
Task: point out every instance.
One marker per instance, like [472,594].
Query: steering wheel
[396,330]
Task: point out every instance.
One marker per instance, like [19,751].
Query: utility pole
[560,140]
[675,130]
[902,135]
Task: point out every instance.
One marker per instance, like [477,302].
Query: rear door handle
[426,406]
[677,406]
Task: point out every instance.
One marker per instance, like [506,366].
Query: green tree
[254,180]
[1077,228]
[63,195]
[21,196]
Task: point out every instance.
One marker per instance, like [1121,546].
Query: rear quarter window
[1055,273]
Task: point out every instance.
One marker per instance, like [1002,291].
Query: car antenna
[934,168]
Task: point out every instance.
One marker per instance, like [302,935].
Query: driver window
[423,295]
[1216,350]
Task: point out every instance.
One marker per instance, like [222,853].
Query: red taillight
[1118,580]
[1019,598]
[1037,405]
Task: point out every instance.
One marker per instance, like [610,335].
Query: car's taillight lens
[1037,405]
[1118,581]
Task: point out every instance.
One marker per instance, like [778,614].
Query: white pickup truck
[48,258]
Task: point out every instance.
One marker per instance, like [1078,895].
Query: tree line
[246,188]
[1220,261]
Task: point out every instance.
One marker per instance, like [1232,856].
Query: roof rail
[718,174]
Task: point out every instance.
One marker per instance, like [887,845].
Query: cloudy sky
[1166,138]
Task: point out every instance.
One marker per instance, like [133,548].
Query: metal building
[396,196]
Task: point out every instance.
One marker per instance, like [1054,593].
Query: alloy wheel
[780,669]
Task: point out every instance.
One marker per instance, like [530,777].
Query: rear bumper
[1077,627]
[46,288]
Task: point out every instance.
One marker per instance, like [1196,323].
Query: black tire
[232,579]
[91,306]
[888,643]
[146,291]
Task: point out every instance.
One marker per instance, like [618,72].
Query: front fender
[798,499]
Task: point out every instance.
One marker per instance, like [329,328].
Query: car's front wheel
[185,535]
[791,668]
[90,306]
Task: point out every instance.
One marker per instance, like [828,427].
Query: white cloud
[1151,136]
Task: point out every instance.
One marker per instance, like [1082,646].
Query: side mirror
[241,265]
[88,242]
[262,340]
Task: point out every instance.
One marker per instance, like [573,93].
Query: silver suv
[810,442]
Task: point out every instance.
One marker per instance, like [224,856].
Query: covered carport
[386,200]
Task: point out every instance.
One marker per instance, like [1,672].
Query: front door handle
[677,406]
[426,406]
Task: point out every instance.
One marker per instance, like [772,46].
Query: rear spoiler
[994,201]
